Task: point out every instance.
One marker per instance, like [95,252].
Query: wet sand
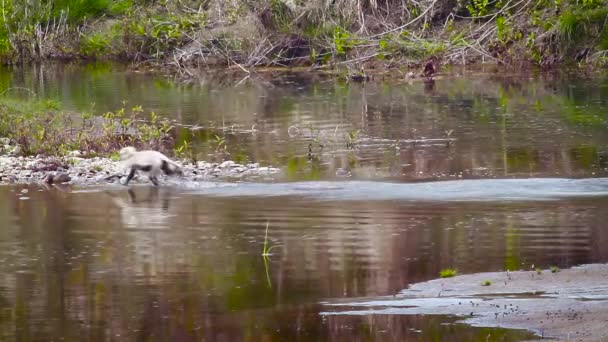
[569,305]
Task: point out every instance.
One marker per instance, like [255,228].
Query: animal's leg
[154,180]
[132,196]
[154,174]
[130,176]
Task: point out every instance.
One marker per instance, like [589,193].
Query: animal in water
[430,68]
[152,162]
[57,178]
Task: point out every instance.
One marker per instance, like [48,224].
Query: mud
[568,305]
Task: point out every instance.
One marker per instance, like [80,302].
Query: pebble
[227,163]
[77,170]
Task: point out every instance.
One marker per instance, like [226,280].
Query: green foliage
[281,15]
[157,28]
[591,4]
[501,28]
[79,10]
[27,25]
[486,283]
[447,273]
[119,7]
[603,44]
[343,41]
[351,138]
[478,8]
[404,45]
[267,248]
[184,150]
[95,44]
[554,269]
[570,26]
[40,127]
[574,25]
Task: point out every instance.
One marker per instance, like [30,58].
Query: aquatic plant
[351,138]
[448,273]
[266,250]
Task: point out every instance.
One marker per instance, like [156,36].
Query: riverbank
[87,171]
[355,36]
[565,305]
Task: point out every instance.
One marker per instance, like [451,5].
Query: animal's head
[127,152]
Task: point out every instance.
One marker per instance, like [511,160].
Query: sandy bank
[570,305]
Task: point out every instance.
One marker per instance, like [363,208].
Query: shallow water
[184,262]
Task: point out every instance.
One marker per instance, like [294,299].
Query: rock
[17,150]
[5,141]
[227,163]
[75,153]
[342,173]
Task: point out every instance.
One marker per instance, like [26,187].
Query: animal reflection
[147,235]
[147,210]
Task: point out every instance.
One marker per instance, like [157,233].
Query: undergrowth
[245,34]
[41,127]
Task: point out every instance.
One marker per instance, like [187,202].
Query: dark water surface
[469,125]
[184,263]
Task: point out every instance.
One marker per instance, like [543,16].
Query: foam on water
[530,189]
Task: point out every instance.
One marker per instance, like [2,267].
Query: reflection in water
[465,126]
[156,263]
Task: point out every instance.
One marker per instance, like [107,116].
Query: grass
[266,250]
[448,273]
[30,28]
[278,32]
[266,255]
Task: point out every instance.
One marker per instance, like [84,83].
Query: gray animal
[152,162]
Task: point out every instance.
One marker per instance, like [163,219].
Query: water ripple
[531,189]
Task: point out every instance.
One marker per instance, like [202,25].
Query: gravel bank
[84,171]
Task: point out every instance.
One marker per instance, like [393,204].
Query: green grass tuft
[448,273]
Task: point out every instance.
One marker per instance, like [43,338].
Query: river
[384,185]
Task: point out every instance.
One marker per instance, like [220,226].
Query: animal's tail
[170,168]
